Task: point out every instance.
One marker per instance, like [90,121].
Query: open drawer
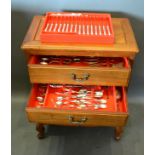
[78,105]
[79,70]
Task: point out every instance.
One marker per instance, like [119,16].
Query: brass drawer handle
[84,78]
[82,120]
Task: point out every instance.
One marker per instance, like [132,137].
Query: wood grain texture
[125,43]
[63,75]
[30,35]
[57,117]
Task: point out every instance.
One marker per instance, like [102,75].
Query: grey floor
[75,140]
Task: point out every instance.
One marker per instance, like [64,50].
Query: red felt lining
[113,105]
[122,102]
[104,62]
[51,99]
[57,35]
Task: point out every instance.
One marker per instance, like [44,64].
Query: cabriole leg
[40,128]
[118,132]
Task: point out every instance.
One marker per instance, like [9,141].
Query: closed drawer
[115,114]
[81,73]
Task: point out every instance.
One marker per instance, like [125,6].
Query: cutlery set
[81,61]
[76,96]
[77,27]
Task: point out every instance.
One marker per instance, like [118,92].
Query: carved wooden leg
[40,128]
[118,132]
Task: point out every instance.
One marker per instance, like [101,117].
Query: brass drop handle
[84,78]
[82,120]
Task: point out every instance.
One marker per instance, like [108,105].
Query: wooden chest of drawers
[124,48]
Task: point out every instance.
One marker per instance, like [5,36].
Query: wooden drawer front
[76,119]
[78,75]
[47,113]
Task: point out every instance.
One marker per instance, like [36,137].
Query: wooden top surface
[125,43]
